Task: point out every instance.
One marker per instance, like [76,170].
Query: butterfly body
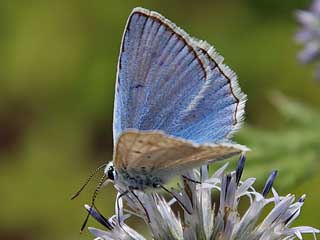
[176,104]
[139,179]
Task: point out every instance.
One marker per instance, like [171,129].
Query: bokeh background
[58,67]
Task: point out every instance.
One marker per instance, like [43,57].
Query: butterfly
[176,104]
[176,107]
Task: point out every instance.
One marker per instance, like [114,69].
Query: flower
[309,34]
[203,218]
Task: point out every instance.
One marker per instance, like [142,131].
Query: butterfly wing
[169,81]
[152,150]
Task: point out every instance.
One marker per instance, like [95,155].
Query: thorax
[139,180]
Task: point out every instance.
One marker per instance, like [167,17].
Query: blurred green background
[58,65]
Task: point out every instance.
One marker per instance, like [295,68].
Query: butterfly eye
[111,173]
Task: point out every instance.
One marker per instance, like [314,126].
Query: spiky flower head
[201,217]
[309,35]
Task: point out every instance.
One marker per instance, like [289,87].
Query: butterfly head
[110,171]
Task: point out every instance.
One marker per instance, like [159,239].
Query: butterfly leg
[203,173]
[188,210]
[145,210]
[191,180]
[118,205]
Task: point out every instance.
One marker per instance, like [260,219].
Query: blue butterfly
[176,107]
[176,104]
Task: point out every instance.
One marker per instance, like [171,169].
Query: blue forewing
[177,87]
[171,82]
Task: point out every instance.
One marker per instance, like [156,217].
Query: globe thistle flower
[200,217]
[309,35]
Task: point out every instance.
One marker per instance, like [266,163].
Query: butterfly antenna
[88,180]
[95,193]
